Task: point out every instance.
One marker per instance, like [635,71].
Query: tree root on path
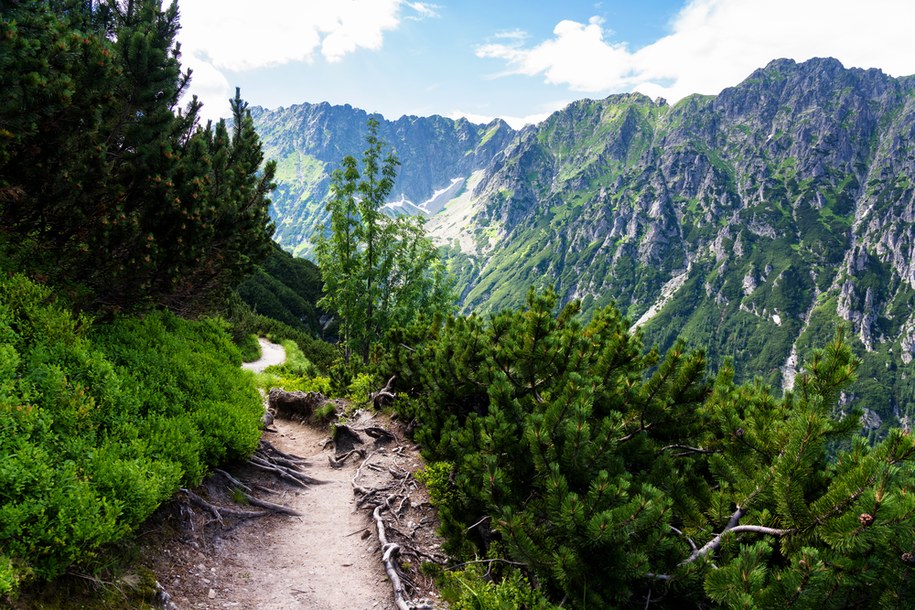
[285,466]
[292,474]
[391,496]
[218,512]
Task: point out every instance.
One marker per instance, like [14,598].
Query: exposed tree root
[285,466]
[286,473]
[267,448]
[337,462]
[383,396]
[389,549]
[391,496]
[219,512]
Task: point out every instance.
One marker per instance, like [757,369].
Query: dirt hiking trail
[326,558]
[271,354]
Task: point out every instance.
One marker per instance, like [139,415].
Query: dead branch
[732,527]
[486,561]
[686,450]
[384,395]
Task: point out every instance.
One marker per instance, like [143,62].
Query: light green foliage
[608,471]
[245,321]
[249,347]
[378,272]
[98,425]
[436,477]
[360,387]
[296,374]
[471,589]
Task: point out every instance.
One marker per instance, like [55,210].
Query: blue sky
[513,59]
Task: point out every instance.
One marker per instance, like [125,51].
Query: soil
[271,354]
[327,558]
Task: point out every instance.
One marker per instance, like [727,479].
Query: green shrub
[99,425]
[471,589]
[604,468]
[436,477]
[249,347]
[361,387]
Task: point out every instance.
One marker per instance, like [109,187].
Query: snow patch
[667,292]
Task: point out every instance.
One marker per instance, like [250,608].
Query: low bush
[100,424]
[249,347]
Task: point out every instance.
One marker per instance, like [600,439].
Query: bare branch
[688,449]
[732,527]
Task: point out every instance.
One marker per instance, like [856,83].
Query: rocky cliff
[752,222]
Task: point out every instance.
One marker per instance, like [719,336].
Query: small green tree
[378,271]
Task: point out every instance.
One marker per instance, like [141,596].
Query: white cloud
[716,43]
[424,10]
[235,35]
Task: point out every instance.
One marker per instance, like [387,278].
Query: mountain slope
[308,141]
[752,222]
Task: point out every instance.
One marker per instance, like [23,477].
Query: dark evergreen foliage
[287,289]
[620,478]
[104,187]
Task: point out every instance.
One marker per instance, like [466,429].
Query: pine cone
[866,519]
[908,558]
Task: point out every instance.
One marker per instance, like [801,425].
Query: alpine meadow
[632,354]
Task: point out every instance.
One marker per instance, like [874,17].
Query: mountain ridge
[752,222]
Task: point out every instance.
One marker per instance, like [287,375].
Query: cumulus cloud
[716,43]
[218,36]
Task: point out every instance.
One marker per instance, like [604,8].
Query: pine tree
[106,187]
[618,477]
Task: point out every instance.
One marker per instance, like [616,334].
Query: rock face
[786,203]
[308,141]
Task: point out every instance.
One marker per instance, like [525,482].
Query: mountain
[751,223]
[308,141]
